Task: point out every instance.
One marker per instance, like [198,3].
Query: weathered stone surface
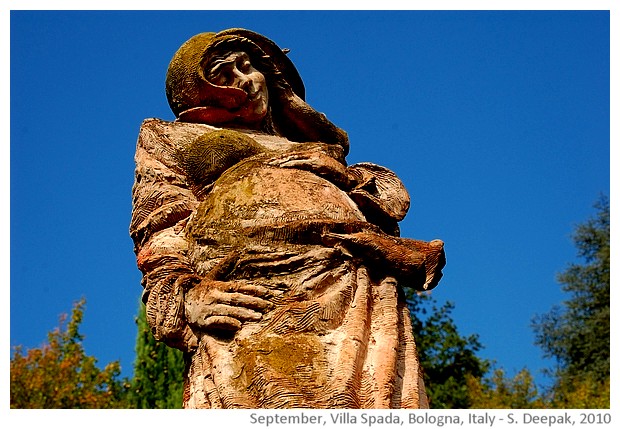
[276,266]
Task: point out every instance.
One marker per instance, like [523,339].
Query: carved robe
[260,211]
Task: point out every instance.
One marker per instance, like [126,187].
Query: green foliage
[581,392]
[499,391]
[577,333]
[448,359]
[158,371]
[60,375]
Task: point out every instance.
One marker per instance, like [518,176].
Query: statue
[273,265]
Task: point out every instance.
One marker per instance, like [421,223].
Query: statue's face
[236,70]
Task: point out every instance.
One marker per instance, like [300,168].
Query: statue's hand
[208,115]
[414,262]
[224,306]
[316,162]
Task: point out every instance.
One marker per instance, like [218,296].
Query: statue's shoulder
[169,142]
[161,141]
[172,135]
[160,134]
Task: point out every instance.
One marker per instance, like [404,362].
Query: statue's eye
[245,66]
[222,78]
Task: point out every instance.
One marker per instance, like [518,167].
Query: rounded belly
[260,196]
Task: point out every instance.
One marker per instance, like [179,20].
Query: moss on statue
[297,358]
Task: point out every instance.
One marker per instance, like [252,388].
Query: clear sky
[498,123]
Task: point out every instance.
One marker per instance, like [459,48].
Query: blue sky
[498,123]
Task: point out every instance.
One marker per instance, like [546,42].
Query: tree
[499,391]
[448,359]
[577,333]
[60,375]
[158,371]
[584,391]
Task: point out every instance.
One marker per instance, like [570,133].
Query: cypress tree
[158,371]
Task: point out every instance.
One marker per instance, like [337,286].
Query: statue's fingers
[224,323]
[242,300]
[298,163]
[254,290]
[279,161]
[367,242]
[207,115]
[240,313]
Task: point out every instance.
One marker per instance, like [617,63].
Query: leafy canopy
[60,375]
[447,358]
[577,332]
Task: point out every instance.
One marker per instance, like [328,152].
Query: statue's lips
[253,98]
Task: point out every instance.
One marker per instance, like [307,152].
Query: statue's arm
[315,157]
[179,302]
[162,203]
[167,275]
[301,123]
[383,199]
[414,263]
